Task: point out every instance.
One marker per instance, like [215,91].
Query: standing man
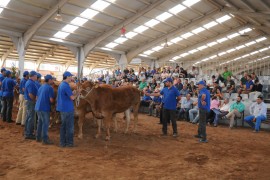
[38,81]
[204,108]
[30,94]
[7,88]
[45,97]
[258,111]
[65,106]
[170,97]
[22,107]
[2,77]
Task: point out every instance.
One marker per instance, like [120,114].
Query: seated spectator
[146,99]
[126,71]
[192,88]
[215,87]
[230,85]
[186,105]
[258,112]
[155,104]
[249,86]
[193,72]
[235,110]
[223,111]
[257,86]
[143,84]
[243,80]
[175,74]
[141,76]
[219,95]
[177,83]
[186,83]
[184,92]
[225,75]
[183,73]
[153,85]
[191,112]
[213,105]
[254,77]
[158,87]
[212,81]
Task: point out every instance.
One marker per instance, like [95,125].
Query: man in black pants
[170,97]
[7,87]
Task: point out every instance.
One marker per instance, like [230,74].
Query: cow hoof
[107,138]
[97,136]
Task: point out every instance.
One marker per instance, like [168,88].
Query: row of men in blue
[37,98]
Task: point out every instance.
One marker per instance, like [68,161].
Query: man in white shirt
[258,112]
[185,107]
[223,111]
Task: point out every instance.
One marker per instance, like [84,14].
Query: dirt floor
[230,154]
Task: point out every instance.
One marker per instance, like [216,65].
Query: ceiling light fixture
[58,16]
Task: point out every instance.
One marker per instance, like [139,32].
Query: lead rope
[82,97]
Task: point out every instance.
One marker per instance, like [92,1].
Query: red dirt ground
[230,154]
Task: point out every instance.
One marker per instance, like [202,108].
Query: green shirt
[226,74]
[240,107]
[142,85]
[243,80]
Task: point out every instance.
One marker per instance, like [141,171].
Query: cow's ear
[96,85]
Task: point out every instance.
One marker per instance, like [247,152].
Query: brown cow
[106,101]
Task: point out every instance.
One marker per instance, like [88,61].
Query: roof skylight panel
[157,48]
[223,19]
[240,47]
[69,28]
[211,24]
[4,3]
[143,55]
[245,30]
[250,43]
[211,44]
[177,39]
[148,52]
[112,45]
[231,50]
[198,30]
[78,21]
[176,9]
[222,40]
[120,40]
[222,53]
[131,34]
[100,5]
[1,9]
[184,54]
[187,35]
[233,35]
[202,47]
[264,49]
[205,59]
[213,57]
[246,55]
[151,23]
[176,57]
[189,3]
[140,29]
[89,13]
[193,51]
[164,16]
[61,34]
[254,52]
[55,39]
[260,39]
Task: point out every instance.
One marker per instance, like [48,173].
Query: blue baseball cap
[3,69]
[48,76]
[168,80]
[38,75]
[67,74]
[8,72]
[25,73]
[32,73]
[202,83]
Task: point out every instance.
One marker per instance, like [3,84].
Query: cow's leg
[127,114]
[80,123]
[115,123]
[135,113]
[107,120]
[99,127]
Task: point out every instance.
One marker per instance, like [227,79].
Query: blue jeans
[219,114]
[259,119]
[30,118]
[191,115]
[43,125]
[67,128]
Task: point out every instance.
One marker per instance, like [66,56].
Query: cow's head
[87,87]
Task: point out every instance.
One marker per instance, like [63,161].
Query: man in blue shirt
[7,88]
[38,81]
[204,108]
[30,94]
[2,77]
[45,97]
[22,107]
[65,106]
[171,95]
